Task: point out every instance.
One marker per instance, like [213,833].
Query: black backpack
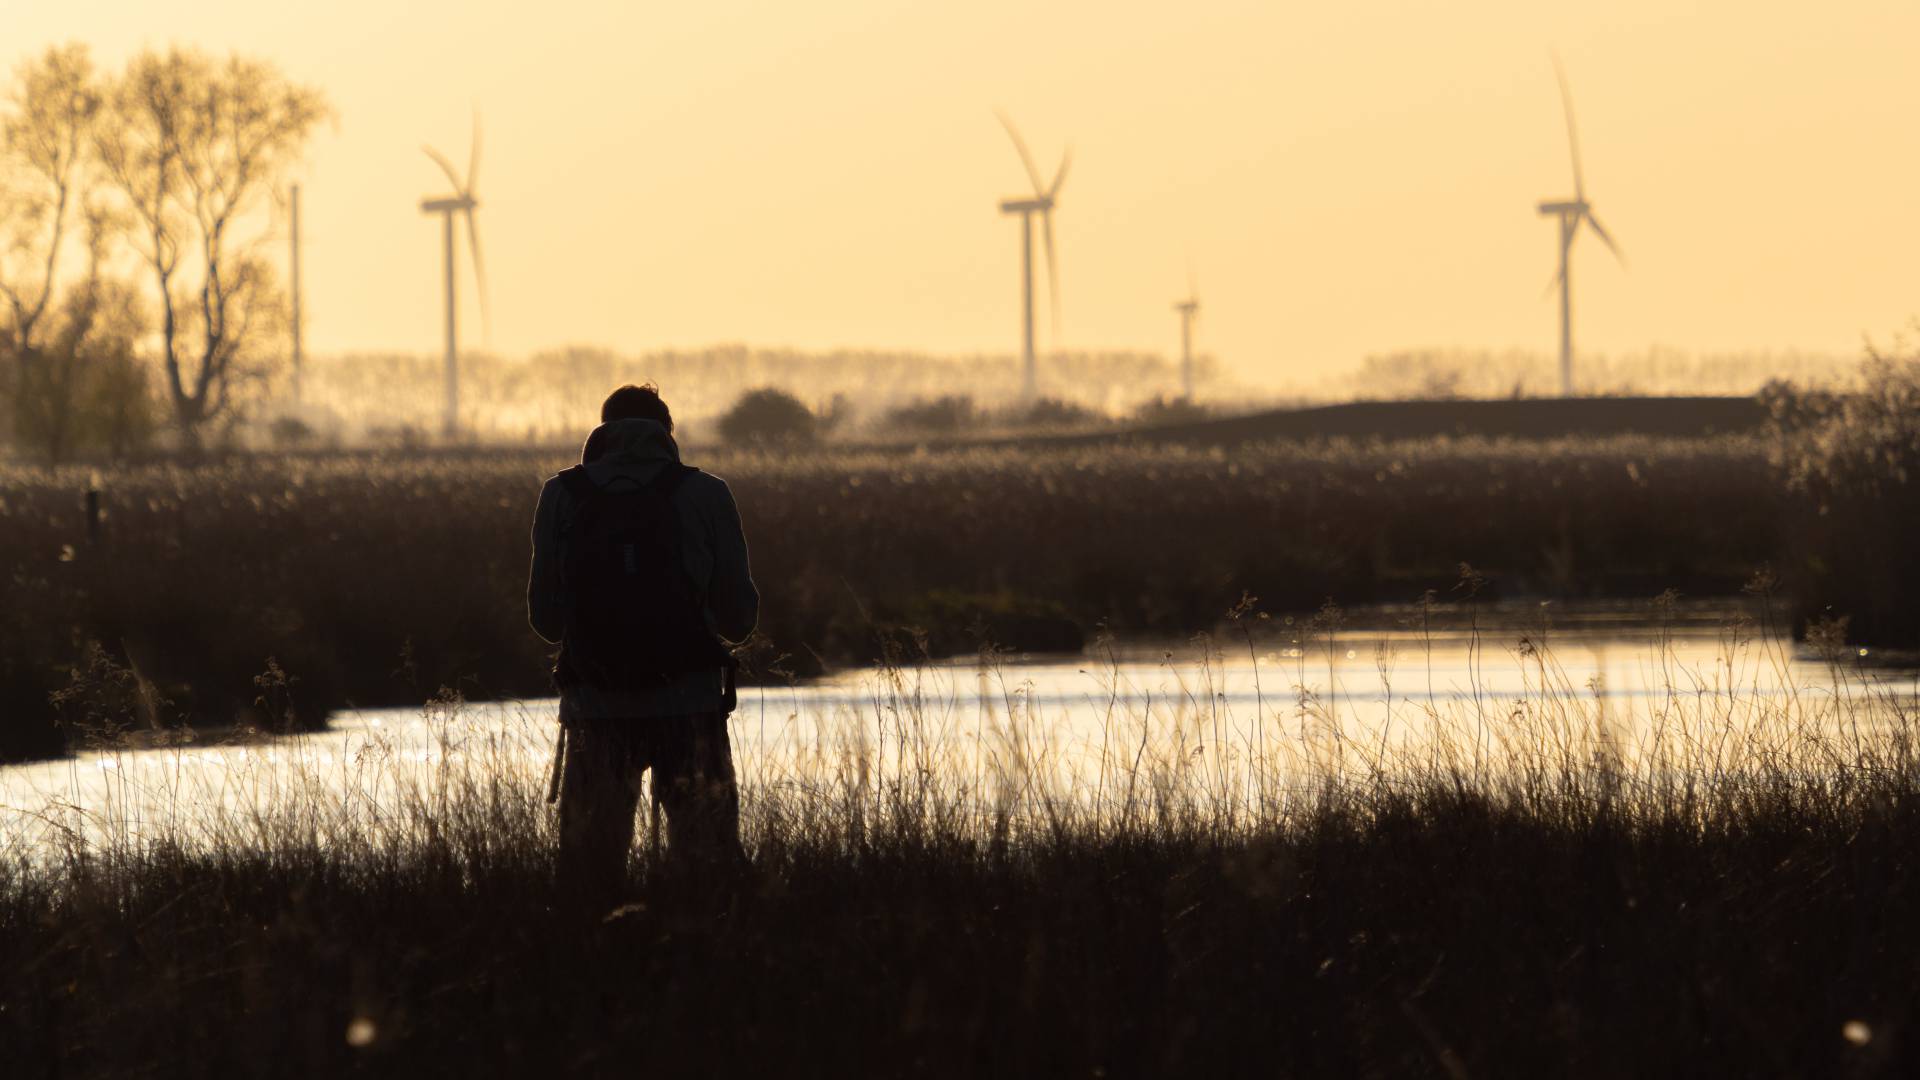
[636,621]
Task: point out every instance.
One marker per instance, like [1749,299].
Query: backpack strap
[670,478]
[577,484]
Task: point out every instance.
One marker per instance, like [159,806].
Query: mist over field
[392,399]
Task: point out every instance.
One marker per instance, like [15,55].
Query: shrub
[84,387]
[1167,411]
[768,416]
[290,431]
[947,415]
[1053,413]
[1792,407]
[122,411]
[1853,463]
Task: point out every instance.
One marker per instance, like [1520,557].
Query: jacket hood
[620,444]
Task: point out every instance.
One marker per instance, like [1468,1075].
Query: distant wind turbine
[462,202]
[1045,198]
[1571,214]
[1189,310]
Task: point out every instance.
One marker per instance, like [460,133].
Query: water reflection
[1213,725]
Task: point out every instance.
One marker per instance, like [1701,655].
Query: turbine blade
[1573,133]
[1060,176]
[445,166]
[473,157]
[1020,145]
[1053,279]
[480,279]
[1552,284]
[1601,231]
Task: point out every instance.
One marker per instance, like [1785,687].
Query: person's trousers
[693,784]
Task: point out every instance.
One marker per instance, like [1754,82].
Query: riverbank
[1714,875]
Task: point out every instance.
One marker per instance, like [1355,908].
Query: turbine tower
[1189,309]
[1571,213]
[461,202]
[1045,198]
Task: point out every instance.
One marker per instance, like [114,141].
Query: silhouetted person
[640,575]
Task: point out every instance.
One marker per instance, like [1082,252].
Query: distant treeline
[1441,374]
[555,395]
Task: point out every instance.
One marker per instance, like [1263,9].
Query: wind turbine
[1045,198]
[461,202]
[1189,310]
[1571,214]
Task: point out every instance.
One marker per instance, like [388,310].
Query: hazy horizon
[1344,183]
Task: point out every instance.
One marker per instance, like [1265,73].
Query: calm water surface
[1243,723]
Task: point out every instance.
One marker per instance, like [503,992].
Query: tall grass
[1720,882]
[376,580]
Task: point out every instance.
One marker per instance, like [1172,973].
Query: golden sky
[1345,178]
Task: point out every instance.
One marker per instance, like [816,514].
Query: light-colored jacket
[713,544]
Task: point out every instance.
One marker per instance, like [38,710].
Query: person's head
[641,402]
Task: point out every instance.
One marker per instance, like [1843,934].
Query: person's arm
[546,593]
[733,602]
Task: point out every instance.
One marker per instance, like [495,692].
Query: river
[1220,722]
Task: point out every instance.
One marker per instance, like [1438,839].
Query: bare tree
[44,177]
[197,146]
[43,147]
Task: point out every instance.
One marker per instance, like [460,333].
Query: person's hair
[641,402]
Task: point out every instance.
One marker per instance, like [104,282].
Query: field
[378,579]
[1544,419]
[1723,886]
[1711,876]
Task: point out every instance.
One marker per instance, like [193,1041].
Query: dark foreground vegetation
[1435,939]
[1552,925]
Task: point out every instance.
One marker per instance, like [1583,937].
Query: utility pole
[298,360]
[1187,309]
